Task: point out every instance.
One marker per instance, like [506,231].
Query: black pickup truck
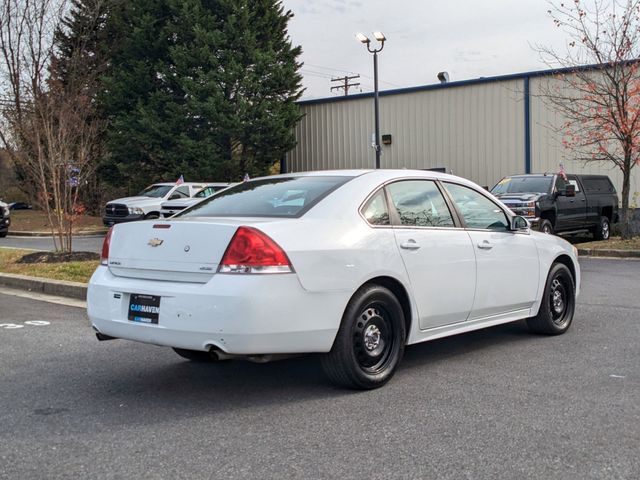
[562,204]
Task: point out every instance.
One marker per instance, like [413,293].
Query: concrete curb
[59,288]
[597,252]
[48,234]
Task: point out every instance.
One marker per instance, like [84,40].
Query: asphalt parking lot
[497,403]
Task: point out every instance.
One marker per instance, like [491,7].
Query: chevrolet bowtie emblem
[155,242]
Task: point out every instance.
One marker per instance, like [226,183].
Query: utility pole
[346,85]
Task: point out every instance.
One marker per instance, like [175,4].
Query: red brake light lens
[252,251]
[104,256]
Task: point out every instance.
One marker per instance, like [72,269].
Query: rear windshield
[523,185]
[269,197]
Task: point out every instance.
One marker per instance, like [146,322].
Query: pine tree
[204,88]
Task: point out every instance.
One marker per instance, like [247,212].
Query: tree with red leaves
[600,105]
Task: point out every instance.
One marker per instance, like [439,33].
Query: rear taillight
[104,256]
[251,251]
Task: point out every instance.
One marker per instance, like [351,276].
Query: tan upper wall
[476,131]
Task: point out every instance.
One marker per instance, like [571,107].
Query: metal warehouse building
[481,129]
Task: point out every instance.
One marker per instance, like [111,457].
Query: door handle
[485,245]
[410,245]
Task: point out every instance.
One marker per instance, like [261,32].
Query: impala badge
[155,242]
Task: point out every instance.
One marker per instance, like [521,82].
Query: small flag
[246,177]
[180,181]
[562,173]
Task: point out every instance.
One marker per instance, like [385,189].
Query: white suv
[147,203]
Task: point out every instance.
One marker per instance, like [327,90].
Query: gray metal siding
[475,131]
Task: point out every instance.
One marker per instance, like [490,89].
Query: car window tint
[376,211]
[420,204]
[182,191]
[268,197]
[561,184]
[476,209]
[575,184]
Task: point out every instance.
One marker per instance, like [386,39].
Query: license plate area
[144,308]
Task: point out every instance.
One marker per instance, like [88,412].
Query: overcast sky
[467,38]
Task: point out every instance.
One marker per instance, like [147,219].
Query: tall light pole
[379,36]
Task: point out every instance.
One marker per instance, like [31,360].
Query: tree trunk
[625,220]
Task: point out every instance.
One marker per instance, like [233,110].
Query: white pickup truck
[170,208]
[146,204]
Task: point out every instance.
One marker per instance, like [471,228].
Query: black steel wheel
[546,227]
[370,342]
[558,303]
[603,230]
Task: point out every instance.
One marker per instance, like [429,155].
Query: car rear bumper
[237,314]
[109,220]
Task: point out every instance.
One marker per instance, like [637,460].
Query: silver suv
[146,204]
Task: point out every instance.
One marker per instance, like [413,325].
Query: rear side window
[598,185]
[269,197]
[420,204]
[376,211]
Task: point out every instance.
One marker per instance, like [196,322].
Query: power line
[346,84]
[331,69]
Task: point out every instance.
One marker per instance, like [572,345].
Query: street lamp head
[363,38]
[379,36]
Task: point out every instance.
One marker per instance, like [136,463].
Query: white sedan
[351,264]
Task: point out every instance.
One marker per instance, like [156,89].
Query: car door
[437,254]
[507,261]
[578,205]
[567,209]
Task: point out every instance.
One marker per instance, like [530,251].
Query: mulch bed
[58,257]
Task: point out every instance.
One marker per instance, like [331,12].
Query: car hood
[137,201]
[519,197]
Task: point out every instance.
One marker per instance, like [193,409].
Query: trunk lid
[186,251]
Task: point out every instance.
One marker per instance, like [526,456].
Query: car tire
[3,234]
[152,216]
[370,341]
[194,355]
[546,227]
[603,230]
[558,303]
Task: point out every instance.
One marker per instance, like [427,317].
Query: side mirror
[519,224]
[570,190]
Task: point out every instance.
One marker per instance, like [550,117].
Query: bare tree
[48,126]
[600,105]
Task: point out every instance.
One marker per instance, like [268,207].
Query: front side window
[420,204]
[376,211]
[476,209]
[269,197]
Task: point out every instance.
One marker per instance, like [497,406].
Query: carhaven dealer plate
[144,308]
